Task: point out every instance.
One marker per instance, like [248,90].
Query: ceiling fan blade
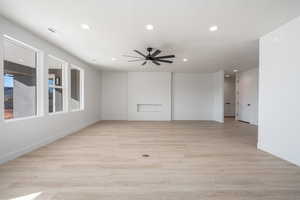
[162,57]
[155,62]
[144,63]
[131,56]
[136,60]
[166,61]
[156,53]
[140,53]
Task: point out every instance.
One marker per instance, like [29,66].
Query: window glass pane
[19,80]
[75,89]
[58,100]
[55,77]
[51,99]
[51,81]
[55,84]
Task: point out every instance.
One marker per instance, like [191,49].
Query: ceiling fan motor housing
[149,49]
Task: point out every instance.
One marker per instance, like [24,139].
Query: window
[76,88]
[56,84]
[20,80]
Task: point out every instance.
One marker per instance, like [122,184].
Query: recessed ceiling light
[149,27]
[235,70]
[185,60]
[113,59]
[213,28]
[227,76]
[85,26]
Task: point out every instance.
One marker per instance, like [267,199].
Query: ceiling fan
[151,57]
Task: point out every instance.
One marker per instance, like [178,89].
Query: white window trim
[18,42]
[39,79]
[64,86]
[81,85]
[2,78]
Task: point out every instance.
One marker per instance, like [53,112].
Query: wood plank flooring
[189,160]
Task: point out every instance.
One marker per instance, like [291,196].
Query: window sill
[21,119]
[77,110]
[57,113]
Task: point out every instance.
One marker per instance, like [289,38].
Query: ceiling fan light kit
[151,56]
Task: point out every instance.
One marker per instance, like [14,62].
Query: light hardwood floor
[188,161]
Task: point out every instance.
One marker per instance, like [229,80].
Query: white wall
[21,136]
[152,88]
[279,92]
[229,97]
[193,96]
[218,88]
[114,93]
[248,96]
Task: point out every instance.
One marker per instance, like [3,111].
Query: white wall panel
[149,88]
[193,96]
[114,93]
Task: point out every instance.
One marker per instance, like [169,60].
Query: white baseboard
[233,115]
[267,150]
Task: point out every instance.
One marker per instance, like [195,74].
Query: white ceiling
[180,27]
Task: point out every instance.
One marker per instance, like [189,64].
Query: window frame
[81,85]
[64,85]
[39,78]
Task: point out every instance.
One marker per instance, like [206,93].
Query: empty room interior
[144,100]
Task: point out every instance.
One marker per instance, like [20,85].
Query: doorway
[229,96]
[247,96]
